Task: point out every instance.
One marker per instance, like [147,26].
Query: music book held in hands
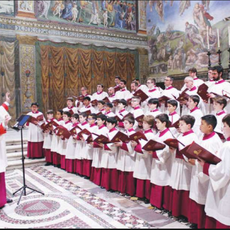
[141,94]
[45,126]
[34,120]
[54,123]
[62,131]
[73,131]
[106,100]
[94,102]
[226,94]
[115,102]
[116,88]
[140,118]
[84,131]
[196,151]
[152,145]
[164,100]
[175,124]
[220,135]
[102,139]
[119,136]
[137,136]
[203,91]
[119,118]
[183,96]
[174,143]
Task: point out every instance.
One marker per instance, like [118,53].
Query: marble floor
[74,202]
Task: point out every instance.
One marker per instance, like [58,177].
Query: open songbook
[34,120]
[62,131]
[174,143]
[137,136]
[183,96]
[175,124]
[163,99]
[152,145]
[46,126]
[141,94]
[195,151]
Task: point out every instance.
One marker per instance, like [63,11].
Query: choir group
[136,143]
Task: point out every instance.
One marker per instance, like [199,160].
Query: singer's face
[216,76]
[183,127]
[128,125]
[226,130]
[34,108]
[160,126]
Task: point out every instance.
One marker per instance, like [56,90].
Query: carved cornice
[27,40]
[49,28]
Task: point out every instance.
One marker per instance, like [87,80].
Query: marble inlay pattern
[61,196]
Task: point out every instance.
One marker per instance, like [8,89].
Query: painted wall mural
[120,15]
[180,33]
[7,8]
[142,15]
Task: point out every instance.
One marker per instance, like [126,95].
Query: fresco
[142,15]
[120,15]
[180,33]
[26,6]
[7,8]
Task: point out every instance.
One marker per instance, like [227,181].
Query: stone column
[27,66]
[143,64]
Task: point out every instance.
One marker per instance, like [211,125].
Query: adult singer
[4,119]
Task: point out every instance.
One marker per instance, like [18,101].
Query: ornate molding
[36,28]
[26,40]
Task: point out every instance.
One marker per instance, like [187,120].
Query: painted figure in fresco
[192,33]
[151,3]
[170,62]
[110,13]
[67,12]
[43,7]
[183,6]
[130,21]
[206,3]
[103,5]
[94,16]
[191,58]
[105,18]
[201,17]
[74,12]
[160,9]
[177,60]
[58,8]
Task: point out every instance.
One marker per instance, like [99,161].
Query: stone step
[15,155]
[16,164]
[15,142]
[15,148]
